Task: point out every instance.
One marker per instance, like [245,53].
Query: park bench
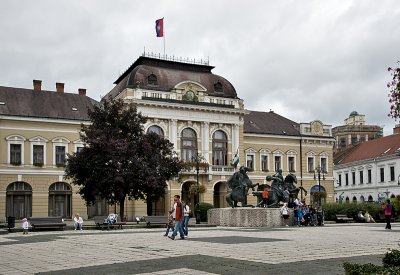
[343,218]
[47,222]
[156,220]
[100,222]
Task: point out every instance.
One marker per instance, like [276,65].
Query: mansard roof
[269,123]
[169,73]
[44,104]
[384,146]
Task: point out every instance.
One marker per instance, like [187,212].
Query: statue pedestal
[245,217]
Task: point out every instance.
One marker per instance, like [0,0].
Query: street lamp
[197,159]
[318,172]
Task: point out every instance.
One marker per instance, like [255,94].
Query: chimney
[37,85]
[82,91]
[60,87]
[396,129]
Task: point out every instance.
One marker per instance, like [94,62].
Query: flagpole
[164,36]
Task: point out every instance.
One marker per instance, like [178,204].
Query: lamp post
[317,173]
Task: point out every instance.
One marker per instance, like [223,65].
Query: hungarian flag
[160,27]
[235,160]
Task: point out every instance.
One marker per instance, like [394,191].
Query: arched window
[316,195]
[362,199]
[347,200]
[218,87]
[60,200]
[370,198]
[19,200]
[156,129]
[152,80]
[354,199]
[188,145]
[220,148]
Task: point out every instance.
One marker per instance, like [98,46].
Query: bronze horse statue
[240,184]
[283,191]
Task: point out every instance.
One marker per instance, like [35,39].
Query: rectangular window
[382,174]
[353,176]
[361,177]
[347,178]
[38,154]
[324,166]
[15,154]
[79,149]
[291,164]
[264,163]
[278,164]
[250,162]
[340,180]
[60,155]
[391,173]
[310,163]
[369,176]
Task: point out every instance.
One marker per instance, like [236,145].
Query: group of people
[178,219]
[302,214]
[364,217]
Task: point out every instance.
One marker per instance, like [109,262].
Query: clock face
[189,95]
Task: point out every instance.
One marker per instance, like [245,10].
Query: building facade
[355,131]
[198,111]
[37,130]
[369,172]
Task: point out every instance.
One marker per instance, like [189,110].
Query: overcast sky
[305,60]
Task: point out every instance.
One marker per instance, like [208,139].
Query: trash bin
[11,222]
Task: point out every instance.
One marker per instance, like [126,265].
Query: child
[170,225]
[25,225]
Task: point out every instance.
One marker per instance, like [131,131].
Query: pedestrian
[388,214]
[25,226]
[265,195]
[78,222]
[186,217]
[178,214]
[300,218]
[170,224]
[285,213]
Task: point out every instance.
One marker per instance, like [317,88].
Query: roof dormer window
[218,87]
[152,80]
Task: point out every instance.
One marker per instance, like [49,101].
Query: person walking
[186,217]
[178,211]
[170,224]
[25,226]
[388,214]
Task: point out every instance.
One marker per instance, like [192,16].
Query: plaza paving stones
[217,250]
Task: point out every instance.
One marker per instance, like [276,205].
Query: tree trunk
[122,209]
[149,207]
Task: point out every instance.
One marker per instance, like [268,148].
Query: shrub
[203,210]
[391,265]
[350,209]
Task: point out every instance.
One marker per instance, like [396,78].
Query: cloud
[305,60]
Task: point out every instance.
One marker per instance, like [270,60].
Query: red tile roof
[380,147]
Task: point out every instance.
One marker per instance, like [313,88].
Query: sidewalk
[215,250]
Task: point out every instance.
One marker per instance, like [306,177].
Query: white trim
[268,160]
[15,139]
[251,153]
[40,129]
[62,142]
[39,141]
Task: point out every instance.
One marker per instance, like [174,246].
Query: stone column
[173,133]
[205,140]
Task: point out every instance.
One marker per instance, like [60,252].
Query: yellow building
[37,130]
[198,111]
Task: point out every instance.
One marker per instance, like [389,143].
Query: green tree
[394,92]
[119,160]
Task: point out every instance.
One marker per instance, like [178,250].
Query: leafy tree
[394,92]
[120,161]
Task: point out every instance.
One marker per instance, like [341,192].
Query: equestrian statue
[239,183]
[281,190]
